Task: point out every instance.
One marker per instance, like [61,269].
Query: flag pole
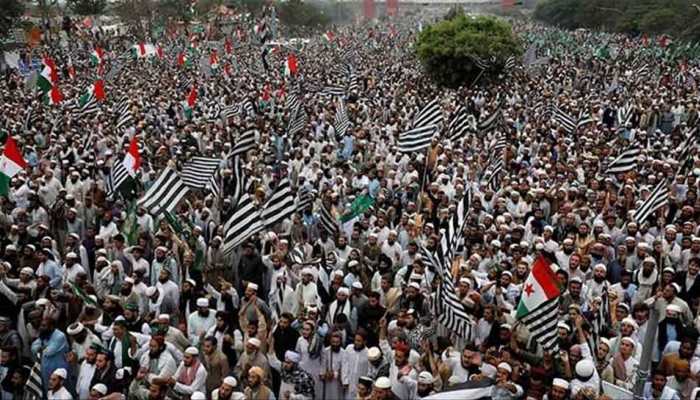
[643,371]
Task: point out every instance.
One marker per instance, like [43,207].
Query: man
[657,388]
[9,338]
[191,376]
[355,365]
[681,381]
[252,357]
[256,389]
[341,305]
[158,304]
[172,334]
[105,371]
[559,390]
[123,345]
[140,389]
[86,373]
[331,368]
[297,384]
[226,390]
[56,389]
[252,306]
[689,281]
[81,340]
[200,321]
[97,392]
[157,365]
[306,292]
[250,267]
[215,362]
[382,390]
[53,346]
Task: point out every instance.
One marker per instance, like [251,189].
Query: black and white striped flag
[494,172]
[213,111]
[685,156]
[243,223]
[624,115]
[280,205]
[493,121]
[215,184]
[451,312]
[123,111]
[230,111]
[330,91]
[197,172]
[305,200]
[237,186]
[461,124]
[328,222]
[118,175]
[297,122]
[292,101]
[34,382]
[246,141]
[565,120]
[626,161]
[425,126]
[165,194]
[656,200]
[341,121]
[584,118]
[249,107]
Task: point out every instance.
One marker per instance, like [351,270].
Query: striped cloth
[328,222]
[165,193]
[280,204]
[492,122]
[341,121]
[246,141]
[626,161]
[297,122]
[461,124]
[197,172]
[425,126]
[243,223]
[118,175]
[34,383]
[656,200]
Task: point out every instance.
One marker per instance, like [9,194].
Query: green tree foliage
[679,18]
[87,7]
[447,49]
[298,16]
[11,11]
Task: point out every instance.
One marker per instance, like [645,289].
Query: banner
[392,8]
[368,7]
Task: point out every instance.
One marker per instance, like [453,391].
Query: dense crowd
[298,313]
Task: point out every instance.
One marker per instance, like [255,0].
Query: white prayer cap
[425,378]
[307,271]
[631,322]
[27,270]
[585,368]
[344,290]
[129,279]
[100,388]
[292,356]
[628,340]
[373,353]
[252,286]
[353,263]
[382,383]
[230,381]
[202,302]
[357,285]
[561,383]
[414,285]
[564,325]
[71,255]
[75,329]
[505,366]
[198,396]
[254,342]
[42,301]
[192,351]
[162,248]
[165,317]
[60,372]
[150,291]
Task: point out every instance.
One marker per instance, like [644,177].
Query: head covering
[60,372]
[373,353]
[506,367]
[202,302]
[192,351]
[100,388]
[230,381]
[585,368]
[425,378]
[257,371]
[558,382]
[254,342]
[292,356]
[198,396]
[382,383]
[75,328]
[252,286]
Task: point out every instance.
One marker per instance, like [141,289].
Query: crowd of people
[298,312]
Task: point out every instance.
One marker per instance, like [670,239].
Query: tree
[301,16]
[11,11]
[448,49]
[87,7]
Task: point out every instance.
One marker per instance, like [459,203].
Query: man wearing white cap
[71,268]
[251,357]
[200,321]
[559,390]
[162,261]
[56,389]
[226,390]
[341,305]
[191,375]
[306,291]
[81,339]
[97,392]
[598,282]
[668,296]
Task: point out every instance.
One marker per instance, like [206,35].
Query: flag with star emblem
[539,304]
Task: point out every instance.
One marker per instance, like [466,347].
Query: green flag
[358,207]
